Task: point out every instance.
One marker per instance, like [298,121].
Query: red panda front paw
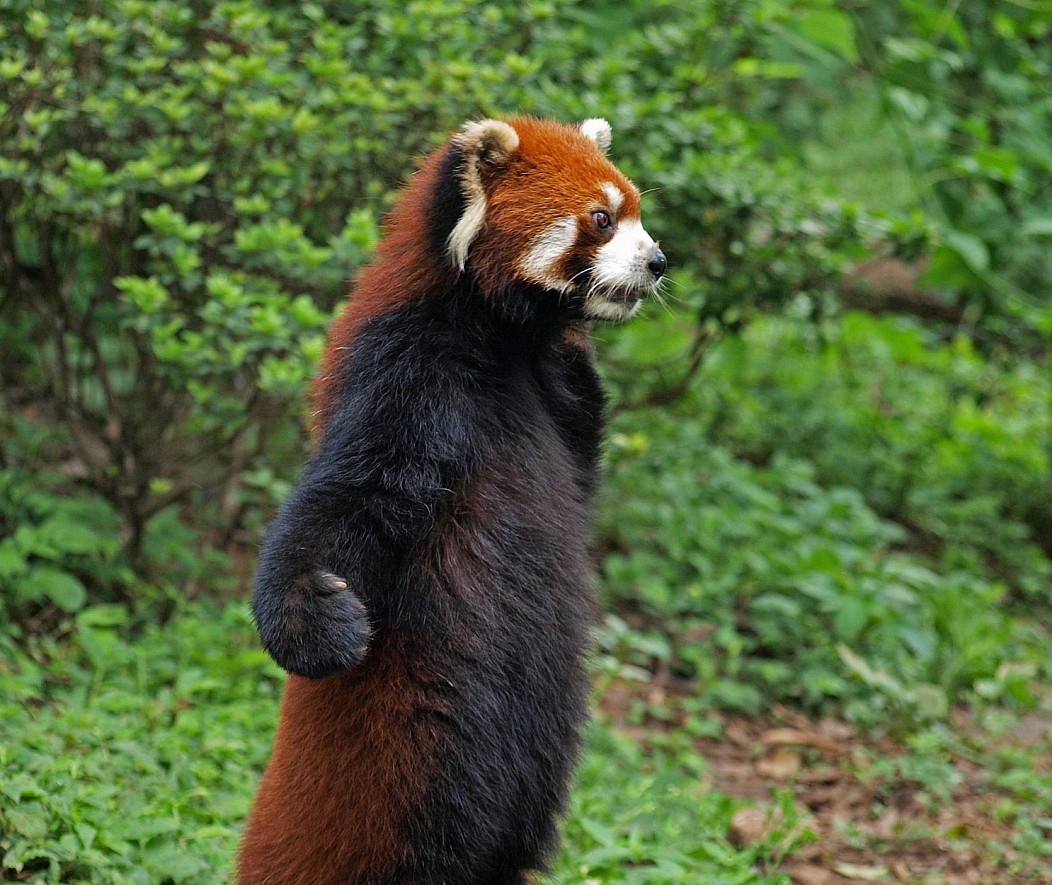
[315,626]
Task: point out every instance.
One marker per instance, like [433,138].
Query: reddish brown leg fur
[347,764]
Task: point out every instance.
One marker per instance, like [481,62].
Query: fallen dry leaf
[801,738]
[837,730]
[748,825]
[737,734]
[809,874]
[884,827]
[861,872]
[781,764]
[826,774]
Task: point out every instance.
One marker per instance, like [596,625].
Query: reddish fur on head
[557,172]
[512,205]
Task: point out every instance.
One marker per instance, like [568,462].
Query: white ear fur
[489,140]
[484,141]
[598,130]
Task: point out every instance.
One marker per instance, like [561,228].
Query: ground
[931,808]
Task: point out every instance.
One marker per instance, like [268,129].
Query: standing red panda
[427,583]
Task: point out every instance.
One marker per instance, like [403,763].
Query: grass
[872,170]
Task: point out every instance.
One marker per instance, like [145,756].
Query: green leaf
[971,249]
[29,819]
[1037,227]
[948,269]
[103,616]
[147,294]
[831,29]
[12,560]
[850,619]
[71,537]
[86,173]
[65,590]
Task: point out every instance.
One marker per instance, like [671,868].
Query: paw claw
[332,582]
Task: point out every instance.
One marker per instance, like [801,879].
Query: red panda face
[543,206]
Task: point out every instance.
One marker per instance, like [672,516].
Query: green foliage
[639,818]
[782,579]
[872,172]
[968,84]
[52,546]
[952,444]
[131,756]
[133,760]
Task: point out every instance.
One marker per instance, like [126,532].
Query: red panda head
[535,205]
[528,213]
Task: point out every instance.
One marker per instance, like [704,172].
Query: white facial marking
[613,195]
[466,229]
[623,260]
[489,142]
[550,246]
[619,271]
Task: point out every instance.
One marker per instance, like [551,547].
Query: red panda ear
[598,130]
[483,146]
[489,140]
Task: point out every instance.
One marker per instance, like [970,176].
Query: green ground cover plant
[854,490]
[131,756]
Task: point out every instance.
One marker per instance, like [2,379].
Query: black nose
[657,264]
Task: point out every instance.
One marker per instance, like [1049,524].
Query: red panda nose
[657,264]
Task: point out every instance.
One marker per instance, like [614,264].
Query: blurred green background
[828,502]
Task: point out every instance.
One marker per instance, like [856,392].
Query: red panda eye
[601,219]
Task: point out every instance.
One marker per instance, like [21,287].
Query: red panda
[427,583]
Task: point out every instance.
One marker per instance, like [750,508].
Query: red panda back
[404,268]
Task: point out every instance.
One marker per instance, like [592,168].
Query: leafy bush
[950,443]
[968,85]
[769,583]
[52,546]
[185,194]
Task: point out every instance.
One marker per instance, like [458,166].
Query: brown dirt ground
[884,830]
